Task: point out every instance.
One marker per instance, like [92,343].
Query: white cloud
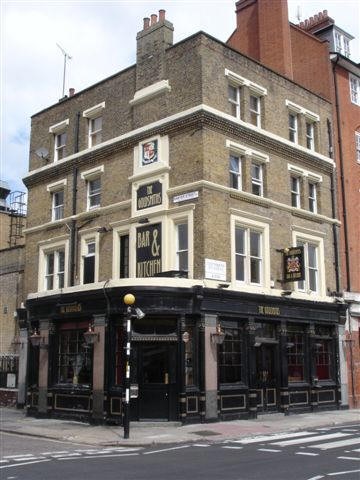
[101,38]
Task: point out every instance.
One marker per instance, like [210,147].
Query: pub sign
[294,264]
[148,250]
[149,195]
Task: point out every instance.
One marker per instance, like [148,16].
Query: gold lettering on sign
[268,310]
[70,308]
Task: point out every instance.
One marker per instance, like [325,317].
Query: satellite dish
[42,152]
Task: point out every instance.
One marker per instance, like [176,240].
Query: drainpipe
[73,228]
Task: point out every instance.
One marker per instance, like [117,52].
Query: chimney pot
[71,92]
[325,12]
[161,15]
[146,23]
[320,15]
[316,18]
[153,19]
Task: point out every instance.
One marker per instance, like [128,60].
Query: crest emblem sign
[149,152]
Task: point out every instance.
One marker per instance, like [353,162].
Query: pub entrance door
[154,372]
[266,367]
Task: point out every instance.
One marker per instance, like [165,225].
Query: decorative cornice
[200,115]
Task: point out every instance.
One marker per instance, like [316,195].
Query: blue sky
[100,37]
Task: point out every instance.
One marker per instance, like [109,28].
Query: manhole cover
[206,433]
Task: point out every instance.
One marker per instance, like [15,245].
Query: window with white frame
[235,170]
[234,100]
[293,127]
[95,131]
[248,255]
[311,282]
[93,193]
[313,207]
[89,258]
[60,144]
[346,47]
[354,89]
[310,139]
[182,246]
[58,205]
[338,42]
[255,110]
[357,146]
[295,191]
[342,44]
[257,184]
[54,269]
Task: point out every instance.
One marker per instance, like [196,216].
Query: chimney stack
[161,15]
[153,19]
[71,92]
[146,23]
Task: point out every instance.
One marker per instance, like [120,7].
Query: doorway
[266,377]
[154,371]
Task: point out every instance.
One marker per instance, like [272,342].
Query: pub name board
[148,250]
[149,195]
[294,270]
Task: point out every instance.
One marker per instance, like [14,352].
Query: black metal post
[127,373]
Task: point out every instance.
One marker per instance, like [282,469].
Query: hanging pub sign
[149,195]
[148,250]
[294,268]
[149,152]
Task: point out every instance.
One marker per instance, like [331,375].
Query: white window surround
[87,237]
[354,85]
[176,219]
[92,173]
[239,149]
[56,186]
[301,172]
[44,249]
[151,91]
[238,80]
[264,229]
[117,233]
[94,111]
[357,146]
[164,180]
[293,107]
[300,236]
[59,127]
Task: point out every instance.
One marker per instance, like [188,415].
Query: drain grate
[206,433]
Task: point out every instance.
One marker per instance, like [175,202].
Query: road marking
[67,455]
[349,458]
[316,478]
[27,463]
[343,443]
[356,450]
[342,473]
[27,458]
[266,438]
[100,456]
[234,448]
[310,439]
[349,430]
[307,453]
[268,450]
[200,445]
[4,461]
[56,452]
[19,456]
[166,449]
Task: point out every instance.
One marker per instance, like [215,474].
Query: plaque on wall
[294,270]
[149,195]
[148,250]
[149,152]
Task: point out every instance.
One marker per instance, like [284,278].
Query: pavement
[16,421]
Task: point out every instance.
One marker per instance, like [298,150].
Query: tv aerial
[66,57]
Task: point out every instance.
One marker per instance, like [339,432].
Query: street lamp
[131,312]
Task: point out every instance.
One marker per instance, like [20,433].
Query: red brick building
[315,54]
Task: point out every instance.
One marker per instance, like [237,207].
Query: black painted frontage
[278,354]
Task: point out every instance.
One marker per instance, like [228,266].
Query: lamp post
[131,312]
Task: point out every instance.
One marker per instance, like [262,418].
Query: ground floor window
[295,353]
[74,356]
[231,353]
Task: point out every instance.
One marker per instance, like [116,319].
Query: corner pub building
[184,180]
